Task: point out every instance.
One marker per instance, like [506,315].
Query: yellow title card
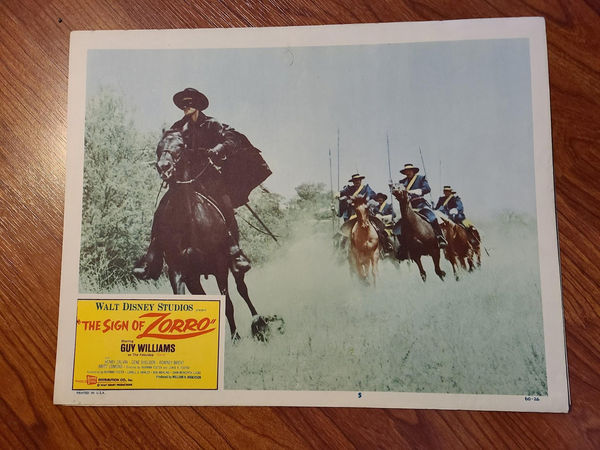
[146,344]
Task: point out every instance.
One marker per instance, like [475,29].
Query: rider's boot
[386,244]
[239,263]
[402,250]
[150,265]
[442,243]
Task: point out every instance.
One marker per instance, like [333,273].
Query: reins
[208,164]
[160,188]
[175,162]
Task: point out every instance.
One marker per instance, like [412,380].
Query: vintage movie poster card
[352,215]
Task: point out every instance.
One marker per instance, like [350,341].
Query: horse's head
[360,206]
[168,153]
[400,193]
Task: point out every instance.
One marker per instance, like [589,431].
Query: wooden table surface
[34,44]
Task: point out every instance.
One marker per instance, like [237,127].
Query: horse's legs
[358,264]
[436,264]
[194,286]
[417,259]
[374,263]
[452,258]
[176,279]
[462,261]
[243,291]
[364,269]
[454,264]
[476,244]
[352,263]
[260,326]
[222,284]
[361,268]
[455,260]
[469,259]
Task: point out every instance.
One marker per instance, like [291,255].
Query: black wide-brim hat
[190,97]
[381,195]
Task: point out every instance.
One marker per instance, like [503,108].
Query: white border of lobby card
[533,29]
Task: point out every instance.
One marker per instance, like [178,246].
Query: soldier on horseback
[235,167]
[381,209]
[358,188]
[351,192]
[451,205]
[417,186]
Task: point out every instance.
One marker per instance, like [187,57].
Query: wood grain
[34,42]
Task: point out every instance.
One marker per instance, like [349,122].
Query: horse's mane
[359,201]
[169,137]
[171,131]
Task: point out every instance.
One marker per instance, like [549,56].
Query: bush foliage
[119,188]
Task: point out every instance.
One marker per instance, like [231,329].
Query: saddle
[347,226]
[467,224]
[423,216]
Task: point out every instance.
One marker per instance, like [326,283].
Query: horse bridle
[198,175]
[175,160]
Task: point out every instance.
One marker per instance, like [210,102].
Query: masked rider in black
[237,168]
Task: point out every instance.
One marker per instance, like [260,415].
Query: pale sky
[467,104]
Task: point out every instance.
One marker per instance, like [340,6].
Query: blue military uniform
[350,192]
[385,209]
[417,186]
[451,206]
[383,217]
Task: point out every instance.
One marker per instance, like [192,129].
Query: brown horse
[459,250]
[364,242]
[475,240]
[417,235]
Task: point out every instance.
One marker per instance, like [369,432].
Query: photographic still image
[369,211]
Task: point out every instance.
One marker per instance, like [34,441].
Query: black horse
[192,230]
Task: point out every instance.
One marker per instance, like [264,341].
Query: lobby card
[373,205]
